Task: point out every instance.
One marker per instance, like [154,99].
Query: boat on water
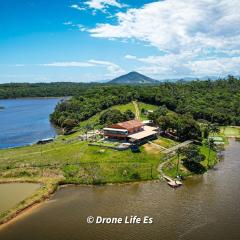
[173,183]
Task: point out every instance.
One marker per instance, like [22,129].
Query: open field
[170,168]
[59,154]
[230,131]
[94,120]
[165,142]
[145,106]
[63,162]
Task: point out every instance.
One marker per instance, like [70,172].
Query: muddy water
[12,193]
[206,207]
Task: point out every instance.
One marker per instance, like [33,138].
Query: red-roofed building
[133,130]
[123,130]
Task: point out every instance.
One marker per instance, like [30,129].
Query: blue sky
[95,40]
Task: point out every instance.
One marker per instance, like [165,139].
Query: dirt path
[157,146]
[137,113]
[173,149]
[169,151]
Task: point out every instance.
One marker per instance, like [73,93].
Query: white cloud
[188,65]
[128,56]
[76,6]
[216,67]
[103,4]
[67,23]
[81,27]
[194,38]
[176,26]
[68,64]
[112,68]
[19,65]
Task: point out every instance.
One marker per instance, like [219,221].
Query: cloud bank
[193,37]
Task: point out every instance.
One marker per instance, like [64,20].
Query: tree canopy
[212,101]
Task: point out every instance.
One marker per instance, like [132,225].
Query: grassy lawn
[94,120]
[58,154]
[64,161]
[146,106]
[170,168]
[226,132]
[212,158]
[124,107]
[230,131]
[165,142]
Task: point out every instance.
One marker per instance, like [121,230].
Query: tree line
[202,101]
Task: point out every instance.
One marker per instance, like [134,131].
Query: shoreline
[21,212]
[22,98]
[50,186]
[45,191]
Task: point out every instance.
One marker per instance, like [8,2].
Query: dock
[172,183]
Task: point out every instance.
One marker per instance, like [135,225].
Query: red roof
[128,124]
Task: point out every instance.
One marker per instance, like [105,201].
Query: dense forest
[212,101]
[58,89]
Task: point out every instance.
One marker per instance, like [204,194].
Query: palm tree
[211,146]
[179,152]
[213,128]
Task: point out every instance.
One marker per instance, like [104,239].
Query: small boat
[174,183]
[46,140]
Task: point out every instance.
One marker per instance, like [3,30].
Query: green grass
[146,106]
[94,120]
[34,161]
[212,159]
[226,132]
[59,153]
[170,168]
[124,107]
[229,131]
[165,142]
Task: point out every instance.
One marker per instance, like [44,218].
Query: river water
[206,207]
[25,121]
[13,193]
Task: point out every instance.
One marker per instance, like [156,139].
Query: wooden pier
[172,183]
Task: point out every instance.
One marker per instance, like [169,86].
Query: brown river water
[206,207]
[12,193]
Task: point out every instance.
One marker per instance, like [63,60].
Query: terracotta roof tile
[130,124]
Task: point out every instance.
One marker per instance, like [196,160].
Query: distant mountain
[133,78]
